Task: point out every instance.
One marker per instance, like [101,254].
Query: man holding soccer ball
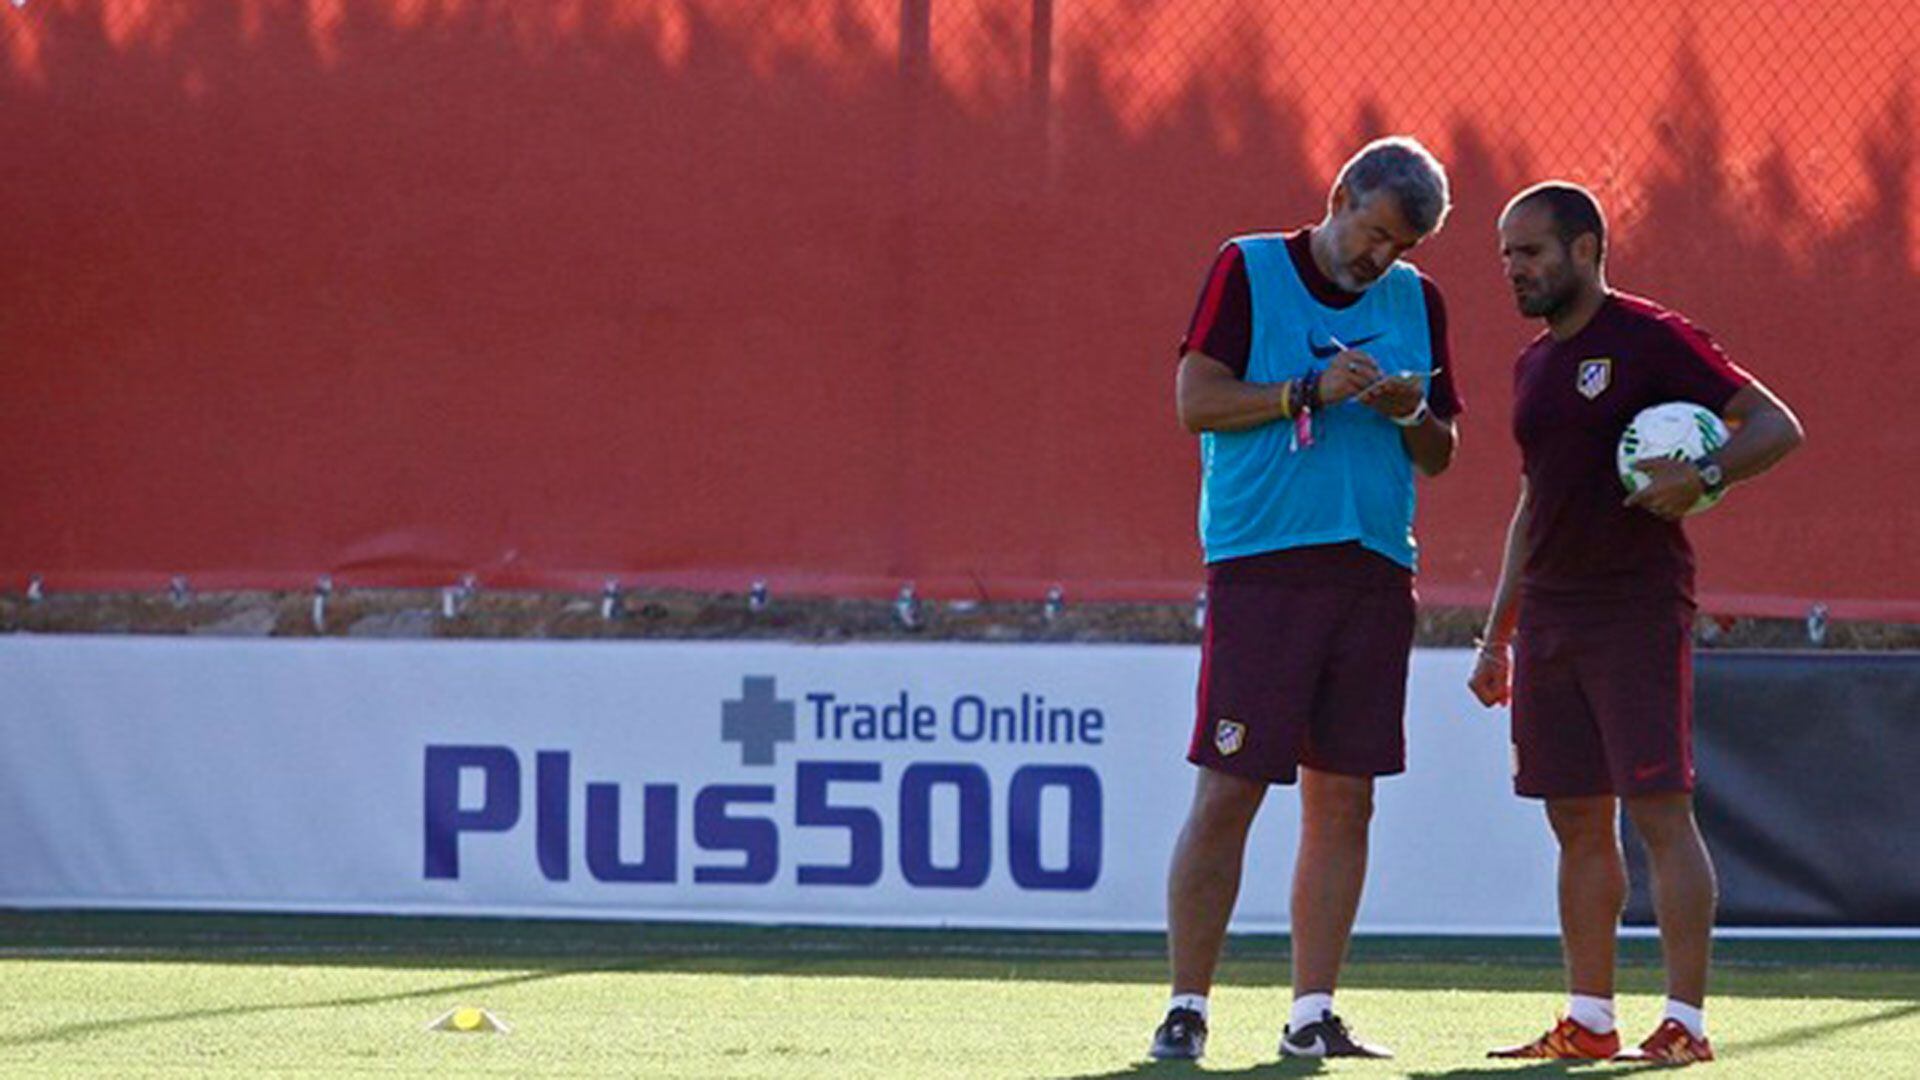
[1589,636]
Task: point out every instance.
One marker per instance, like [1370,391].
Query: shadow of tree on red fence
[682,300]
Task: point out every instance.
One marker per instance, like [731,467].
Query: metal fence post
[916,39]
[1040,84]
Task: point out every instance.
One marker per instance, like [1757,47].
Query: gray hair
[1399,164]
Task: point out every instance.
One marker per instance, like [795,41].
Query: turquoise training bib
[1258,492]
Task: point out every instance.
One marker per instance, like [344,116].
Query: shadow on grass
[1538,1069]
[92,1028]
[1149,1070]
[1730,1054]
[1853,969]
[1809,1032]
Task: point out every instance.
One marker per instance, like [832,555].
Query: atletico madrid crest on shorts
[1229,736]
[1594,378]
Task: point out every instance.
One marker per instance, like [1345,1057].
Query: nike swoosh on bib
[1323,346]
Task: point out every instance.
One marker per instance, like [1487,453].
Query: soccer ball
[1680,430]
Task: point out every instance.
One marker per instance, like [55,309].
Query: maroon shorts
[1305,666]
[1603,708]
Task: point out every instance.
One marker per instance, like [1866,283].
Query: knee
[1583,825]
[1224,805]
[1346,810]
[1661,820]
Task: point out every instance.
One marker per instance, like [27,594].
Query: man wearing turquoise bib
[1315,374]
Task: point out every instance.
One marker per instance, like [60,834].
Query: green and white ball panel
[1681,430]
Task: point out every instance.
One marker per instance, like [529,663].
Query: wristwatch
[1712,477]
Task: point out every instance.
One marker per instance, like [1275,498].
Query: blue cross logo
[758,720]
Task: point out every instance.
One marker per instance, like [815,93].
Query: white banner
[1031,786]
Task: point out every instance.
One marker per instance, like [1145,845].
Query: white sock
[1694,1019]
[1196,1002]
[1309,1009]
[1593,1013]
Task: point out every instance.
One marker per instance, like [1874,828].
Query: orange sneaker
[1670,1044]
[1569,1040]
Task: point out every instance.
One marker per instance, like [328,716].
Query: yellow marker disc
[467,1019]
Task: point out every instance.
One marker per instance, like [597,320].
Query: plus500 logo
[829,797]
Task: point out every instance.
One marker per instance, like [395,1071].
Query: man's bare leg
[1593,889]
[1684,891]
[1328,874]
[1204,880]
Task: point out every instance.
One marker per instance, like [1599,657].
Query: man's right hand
[1349,373]
[1492,678]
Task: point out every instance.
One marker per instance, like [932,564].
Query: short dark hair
[1575,212]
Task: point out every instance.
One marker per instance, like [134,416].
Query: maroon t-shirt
[1222,324]
[1588,557]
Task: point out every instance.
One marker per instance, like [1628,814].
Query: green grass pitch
[177,995]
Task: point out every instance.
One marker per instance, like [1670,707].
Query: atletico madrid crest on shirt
[1595,376]
[1229,736]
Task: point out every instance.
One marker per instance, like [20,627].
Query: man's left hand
[1672,489]
[1392,398]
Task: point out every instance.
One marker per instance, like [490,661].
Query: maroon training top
[1588,557]
[1222,324]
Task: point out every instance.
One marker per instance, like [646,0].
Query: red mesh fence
[841,293]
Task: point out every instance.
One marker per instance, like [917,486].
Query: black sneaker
[1327,1037]
[1182,1036]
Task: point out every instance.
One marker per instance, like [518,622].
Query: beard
[1547,301]
[1350,279]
